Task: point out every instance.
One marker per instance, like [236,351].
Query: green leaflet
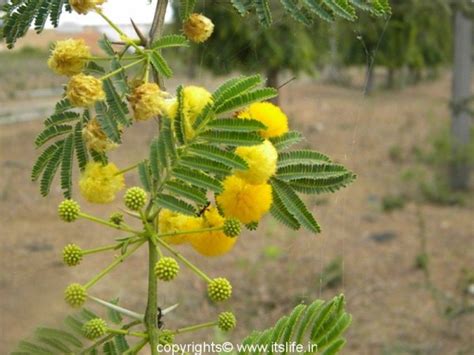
[232,138]
[315,7]
[286,140]
[294,205]
[221,156]
[186,8]
[174,204]
[236,125]
[198,178]
[51,132]
[160,64]
[187,191]
[245,99]
[170,41]
[66,166]
[235,87]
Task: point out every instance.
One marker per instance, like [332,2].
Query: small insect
[204,209]
[159,319]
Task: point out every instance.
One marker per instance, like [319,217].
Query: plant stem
[113,265]
[107,223]
[151,313]
[136,348]
[131,167]
[126,332]
[112,73]
[156,31]
[185,261]
[117,29]
[152,303]
[193,328]
[108,337]
[191,231]
[99,249]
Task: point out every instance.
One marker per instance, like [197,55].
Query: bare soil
[393,310]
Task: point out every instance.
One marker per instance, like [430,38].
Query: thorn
[286,82]
[169,309]
[139,33]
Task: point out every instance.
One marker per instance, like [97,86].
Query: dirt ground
[272,270]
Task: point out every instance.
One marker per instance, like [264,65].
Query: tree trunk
[461,91]
[369,80]
[390,78]
[272,81]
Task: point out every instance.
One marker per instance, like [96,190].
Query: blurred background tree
[241,44]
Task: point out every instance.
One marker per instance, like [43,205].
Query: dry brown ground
[385,293]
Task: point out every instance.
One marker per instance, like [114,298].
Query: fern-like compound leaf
[318,327]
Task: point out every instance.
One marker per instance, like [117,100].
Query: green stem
[123,35]
[136,348]
[191,231]
[126,332]
[151,313]
[112,73]
[193,328]
[107,223]
[131,167]
[108,337]
[185,261]
[113,265]
[99,249]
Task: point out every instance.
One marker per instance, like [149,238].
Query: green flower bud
[219,289]
[166,269]
[72,255]
[95,328]
[226,321]
[135,198]
[252,226]
[75,295]
[232,227]
[166,337]
[68,210]
[116,218]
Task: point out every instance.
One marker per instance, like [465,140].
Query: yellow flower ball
[95,138]
[100,183]
[270,115]
[262,162]
[147,101]
[212,243]
[84,6]
[198,28]
[84,90]
[69,57]
[195,98]
[170,221]
[244,201]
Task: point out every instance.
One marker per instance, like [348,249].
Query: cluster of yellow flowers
[195,98]
[95,138]
[147,101]
[247,195]
[100,183]
[84,6]
[208,243]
